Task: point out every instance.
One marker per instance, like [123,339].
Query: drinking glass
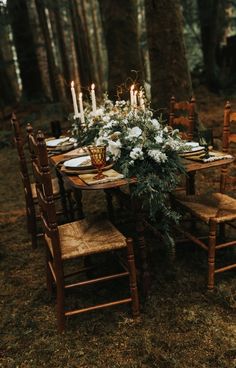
[206,140]
[98,159]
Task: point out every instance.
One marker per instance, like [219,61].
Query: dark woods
[163,46]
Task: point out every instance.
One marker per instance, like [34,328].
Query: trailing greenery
[142,147]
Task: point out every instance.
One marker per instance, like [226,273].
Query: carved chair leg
[32,226]
[60,307]
[63,196]
[49,274]
[132,278]
[211,255]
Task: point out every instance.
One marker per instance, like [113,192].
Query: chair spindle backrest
[18,140]
[42,174]
[182,117]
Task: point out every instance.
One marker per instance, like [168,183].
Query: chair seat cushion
[55,188]
[212,206]
[84,237]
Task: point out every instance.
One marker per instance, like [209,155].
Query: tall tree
[81,44]
[169,68]
[211,15]
[40,49]
[8,76]
[25,49]
[120,27]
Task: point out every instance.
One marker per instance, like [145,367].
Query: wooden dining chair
[30,194]
[75,240]
[216,210]
[29,188]
[182,116]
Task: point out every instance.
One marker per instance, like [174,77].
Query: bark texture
[169,68]
[120,26]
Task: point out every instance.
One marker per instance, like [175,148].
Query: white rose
[134,132]
[136,153]
[155,123]
[114,148]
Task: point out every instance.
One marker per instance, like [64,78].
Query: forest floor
[181,324]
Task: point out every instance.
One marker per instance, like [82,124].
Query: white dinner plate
[57,142]
[191,144]
[78,162]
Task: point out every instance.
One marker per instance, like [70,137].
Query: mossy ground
[181,324]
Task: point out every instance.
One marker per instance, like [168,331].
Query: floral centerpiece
[141,146]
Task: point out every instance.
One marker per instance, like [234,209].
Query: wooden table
[76,183]
[192,167]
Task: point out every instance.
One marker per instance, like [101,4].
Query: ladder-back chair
[76,240]
[29,188]
[31,201]
[182,116]
[216,210]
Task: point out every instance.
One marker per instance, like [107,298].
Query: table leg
[63,195]
[139,227]
[190,183]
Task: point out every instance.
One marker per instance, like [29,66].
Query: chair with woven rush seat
[29,186]
[182,117]
[75,240]
[216,210]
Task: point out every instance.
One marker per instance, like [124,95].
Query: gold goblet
[98,159]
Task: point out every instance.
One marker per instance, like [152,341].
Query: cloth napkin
[111,175]
[214,156]
[77,152]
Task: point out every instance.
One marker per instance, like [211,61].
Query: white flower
[106,118]
[173,144]
[136,153]
[134,132]
[157,156]
[114,148]
[156,124]
[159,138]
[98,112]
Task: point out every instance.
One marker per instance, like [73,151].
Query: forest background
[169,47]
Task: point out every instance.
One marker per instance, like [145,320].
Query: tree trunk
[8,77]
[82,50]
[25,48]
[40,49]
[53,69]
[210,15]
[168,63]
[120,27]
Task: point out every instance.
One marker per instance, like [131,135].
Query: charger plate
[85,171]
[194,151]
[83,164]
[60,144]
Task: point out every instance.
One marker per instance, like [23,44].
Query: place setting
[94,167]
[202,151]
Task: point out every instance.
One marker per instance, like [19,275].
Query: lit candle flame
[93,86]
[72,84]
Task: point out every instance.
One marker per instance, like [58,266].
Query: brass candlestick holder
[98,159]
